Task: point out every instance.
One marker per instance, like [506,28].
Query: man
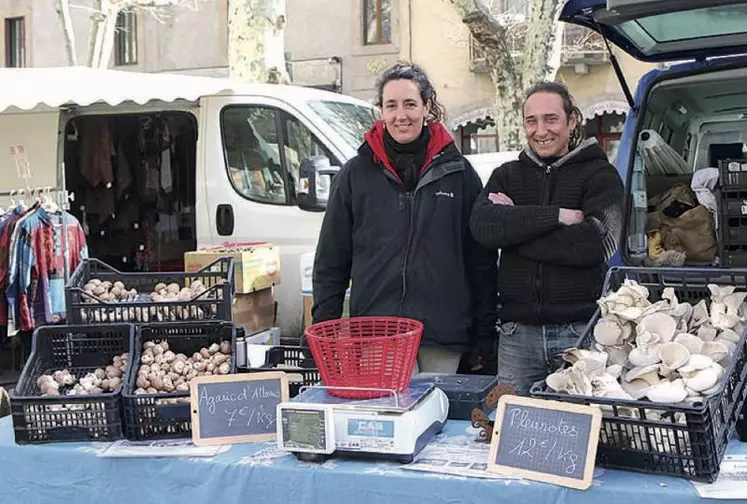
[556,214]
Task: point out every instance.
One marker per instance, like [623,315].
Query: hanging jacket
[407,253]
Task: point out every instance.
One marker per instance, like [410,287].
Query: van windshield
[351,121]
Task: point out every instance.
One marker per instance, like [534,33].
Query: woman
[397,225]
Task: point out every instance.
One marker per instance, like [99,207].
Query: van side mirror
[314,183]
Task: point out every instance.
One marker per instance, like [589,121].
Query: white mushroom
[660,324]
[696,362]
[637,388]
[716,350]
[667,392]
[703,379]
[644,355]
[608,331]
[649,374]
[692,343]
[615,371]
[707,333]
[618,354]
[673,355]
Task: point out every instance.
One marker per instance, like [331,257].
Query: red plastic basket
[366,353]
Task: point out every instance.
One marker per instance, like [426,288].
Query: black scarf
[407,158]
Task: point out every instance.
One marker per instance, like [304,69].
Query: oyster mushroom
[667,392]
[702,380]
[696,362]
[606,385]
[645,352]
[716,350]
[609,331]
[700,314]
[713,390]
[673,355]
[572,355]
[729,335]
[692,343]
[707,333]
[615,371]
[660,324]
[637,388]
[618,354]
[649,374]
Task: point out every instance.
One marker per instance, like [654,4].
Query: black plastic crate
[733,255]
[732,204]
[465,392]
[734,232]
[81,350]
[300,370]
[167,415]
[733,173]
[212,304]
[675,440]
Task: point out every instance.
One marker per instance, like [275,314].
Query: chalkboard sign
[236,408]
[546,441]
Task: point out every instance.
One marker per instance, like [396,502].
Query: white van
[228,179]
[485,163]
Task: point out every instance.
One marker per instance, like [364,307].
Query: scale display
[305,430]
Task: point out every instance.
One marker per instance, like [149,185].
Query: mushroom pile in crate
[667,351]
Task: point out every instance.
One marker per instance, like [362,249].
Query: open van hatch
[686,122]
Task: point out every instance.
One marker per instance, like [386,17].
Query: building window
[377,21]
[125,43]
[479,137]
[15,42]
[607,129]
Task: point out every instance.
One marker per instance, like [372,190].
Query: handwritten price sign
[545,441]
[236,408]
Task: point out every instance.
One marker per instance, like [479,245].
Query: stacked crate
[732,199]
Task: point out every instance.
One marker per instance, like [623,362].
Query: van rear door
[665,30]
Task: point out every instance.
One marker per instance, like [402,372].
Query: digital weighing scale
[316,425]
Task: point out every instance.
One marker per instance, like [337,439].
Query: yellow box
[256,265]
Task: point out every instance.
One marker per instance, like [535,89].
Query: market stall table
[55,473]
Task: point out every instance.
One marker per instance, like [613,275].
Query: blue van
[698,105]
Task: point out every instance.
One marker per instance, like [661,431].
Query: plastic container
[465,392]
[80,350]
[301,371]
[733,173]
[213,304]
[637,240]
[368,356]
[167,415]
[674,440]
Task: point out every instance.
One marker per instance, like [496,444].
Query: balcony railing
[580,45]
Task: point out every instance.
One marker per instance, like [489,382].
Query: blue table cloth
[248,473]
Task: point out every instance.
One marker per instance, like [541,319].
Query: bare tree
[63,10]
[520,46]
[103,15]
[255,40]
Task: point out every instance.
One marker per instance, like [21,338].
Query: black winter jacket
[407,253]
[551,273]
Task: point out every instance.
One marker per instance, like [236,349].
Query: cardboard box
[254,312]
[256,265]
[308,303]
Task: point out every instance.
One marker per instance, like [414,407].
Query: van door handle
[224,220]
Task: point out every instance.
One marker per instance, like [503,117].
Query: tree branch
[63,10]
[540,40]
